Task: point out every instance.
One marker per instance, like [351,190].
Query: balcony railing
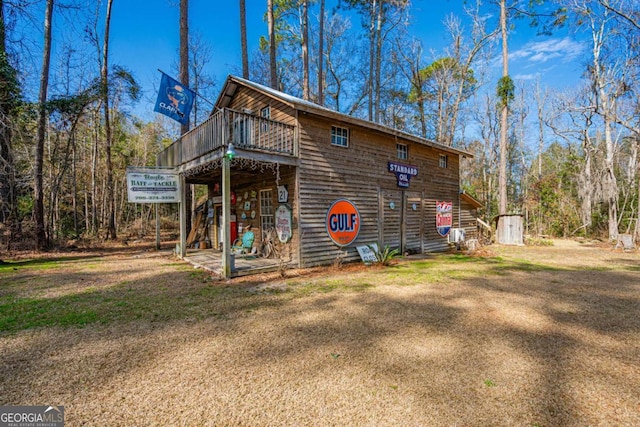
[245,131]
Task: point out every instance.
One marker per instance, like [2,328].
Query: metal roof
[232,83]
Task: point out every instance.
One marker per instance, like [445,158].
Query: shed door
[391,214]
[401,222]
[412,221]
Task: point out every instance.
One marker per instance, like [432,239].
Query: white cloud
[565,50]
[534,76]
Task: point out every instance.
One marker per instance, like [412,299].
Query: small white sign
[283,223]
[148,185]
[367,254]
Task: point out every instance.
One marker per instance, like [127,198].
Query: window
[265,113]
[444,161]
[339,136]
[266,210]
[403,151]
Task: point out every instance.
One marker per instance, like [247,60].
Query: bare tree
[505,92]
[608,80]
[200,53]
[466,52]
[340,69]
[104,78]
[184,51]
[243,39]
[379,20]
[184,79]
[304,27]
[9,99]
[321,79]
[41,238]
[273,74]
[412,67]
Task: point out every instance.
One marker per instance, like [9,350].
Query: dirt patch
[517,336]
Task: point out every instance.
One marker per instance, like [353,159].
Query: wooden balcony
[247,132]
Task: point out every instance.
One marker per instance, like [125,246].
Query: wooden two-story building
[274,161]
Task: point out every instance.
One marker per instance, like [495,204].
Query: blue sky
[144,37]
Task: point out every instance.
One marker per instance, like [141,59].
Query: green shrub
[385,255]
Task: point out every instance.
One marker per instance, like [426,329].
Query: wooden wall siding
[432,241]
[468,221]
[413,222]
[242,181]
[359,173]
[391,230]
[255,101]
[318,249]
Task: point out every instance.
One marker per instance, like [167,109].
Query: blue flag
[174,100]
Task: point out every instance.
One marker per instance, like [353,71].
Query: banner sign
[147,185]
[444,217]
[283,223]
[343,222]
[403,173]
[174,100]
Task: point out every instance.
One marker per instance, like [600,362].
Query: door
[391,214]
[412,222]
[401,214]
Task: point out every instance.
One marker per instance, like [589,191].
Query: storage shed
[282,164]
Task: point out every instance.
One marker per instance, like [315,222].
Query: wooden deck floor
[211,260]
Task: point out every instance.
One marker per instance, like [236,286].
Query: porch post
[183,218]
[157,227]
[226,217]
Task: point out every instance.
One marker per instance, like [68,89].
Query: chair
[244,245]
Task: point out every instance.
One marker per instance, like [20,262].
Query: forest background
[567,160]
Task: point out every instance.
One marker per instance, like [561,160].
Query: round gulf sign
[343,222]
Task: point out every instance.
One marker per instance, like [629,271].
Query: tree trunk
[321,56]
[8,96]
[74,193]
[243,39]
[378,55]
[304,26]
[94,177]
[184,51]
[606,108]
[272,46]
[41,238]
[587,186]
[610,184]
[636,234]
[372,41]
[184,79]
[504,116]
[104,75]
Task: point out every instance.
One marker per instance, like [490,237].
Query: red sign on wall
[343,222]
[444,217]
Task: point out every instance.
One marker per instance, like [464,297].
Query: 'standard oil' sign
[148,185]
[403,173]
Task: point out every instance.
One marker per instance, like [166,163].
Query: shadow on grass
[442,343]
[41,263]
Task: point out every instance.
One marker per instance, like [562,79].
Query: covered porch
[235,154]
[211,261]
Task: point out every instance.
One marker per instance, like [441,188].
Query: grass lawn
[520,336]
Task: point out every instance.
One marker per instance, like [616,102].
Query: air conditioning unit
[456,235]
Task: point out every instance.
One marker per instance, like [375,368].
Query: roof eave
[232,83]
